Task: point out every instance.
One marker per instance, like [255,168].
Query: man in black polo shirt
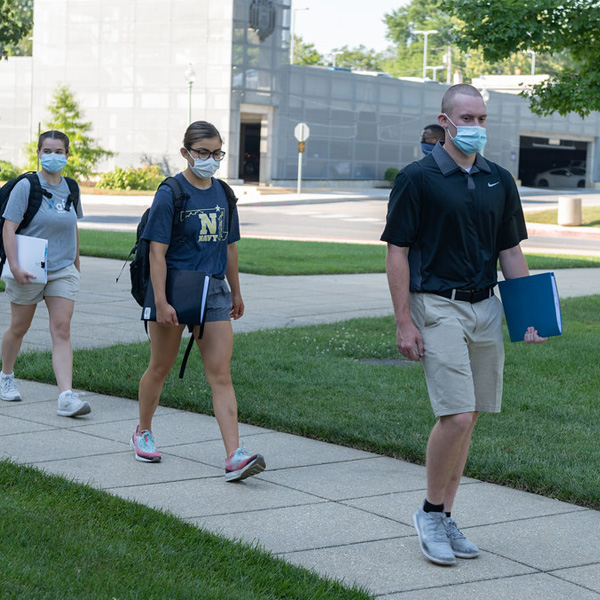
[451,217]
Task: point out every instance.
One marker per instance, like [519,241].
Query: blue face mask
[427,148]
[468,140]
[204,167]
[53,163]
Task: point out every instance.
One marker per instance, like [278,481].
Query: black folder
[186,292]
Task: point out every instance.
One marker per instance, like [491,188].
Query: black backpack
[36,193]
[139,268]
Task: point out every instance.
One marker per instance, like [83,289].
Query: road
[353,216]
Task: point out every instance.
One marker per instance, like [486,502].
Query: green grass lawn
[63,540]
[590,216]
[310,381]
[277,257]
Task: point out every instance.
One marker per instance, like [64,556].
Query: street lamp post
[293,32]
[435,70]
[334,54]
[190,77]
[426,33]
[532,52]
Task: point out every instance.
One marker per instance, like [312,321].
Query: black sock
[448,514]
[428,507]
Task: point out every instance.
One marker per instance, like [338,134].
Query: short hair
[460,88]
[54,135]
[437,131]
[200,130]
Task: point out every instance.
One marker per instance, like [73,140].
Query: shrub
[144,178]
[8,170]
[390,174]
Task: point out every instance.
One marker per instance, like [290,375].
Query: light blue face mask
[53,163]
[468,140]
[204,167]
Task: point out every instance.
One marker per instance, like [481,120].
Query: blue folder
[531,302]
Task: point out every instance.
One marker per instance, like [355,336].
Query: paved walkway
[342,512]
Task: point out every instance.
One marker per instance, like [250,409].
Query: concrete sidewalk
[342,512]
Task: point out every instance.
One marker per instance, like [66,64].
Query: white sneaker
[8,388]
[70,405]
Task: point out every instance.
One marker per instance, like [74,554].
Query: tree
[16,27]
[359,58]
[66,116]
[401,25]
[519,62]
[567,28]
[305,54]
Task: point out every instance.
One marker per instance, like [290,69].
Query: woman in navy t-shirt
[209,246]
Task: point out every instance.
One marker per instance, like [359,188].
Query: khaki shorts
[63,283]
[464,352]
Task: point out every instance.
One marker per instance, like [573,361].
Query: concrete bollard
[569,211]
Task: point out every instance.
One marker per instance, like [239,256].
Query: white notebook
[32,255]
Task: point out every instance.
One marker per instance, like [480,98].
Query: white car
[561,177]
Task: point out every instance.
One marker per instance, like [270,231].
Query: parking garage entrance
[540,155]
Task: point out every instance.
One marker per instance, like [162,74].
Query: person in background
[430,136]
[55,221]
[451,217]
[209,246]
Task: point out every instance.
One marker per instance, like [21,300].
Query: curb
[563,231]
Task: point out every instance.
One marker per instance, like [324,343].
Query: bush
[8,170]
[390,174]
[145,178]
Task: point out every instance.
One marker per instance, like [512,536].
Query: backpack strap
[231,197]
[179,199]
[35,200]
[73,199]
[187,354]
[190,346]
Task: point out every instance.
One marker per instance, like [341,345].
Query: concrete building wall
[360,125]
[16,127]
[126,64]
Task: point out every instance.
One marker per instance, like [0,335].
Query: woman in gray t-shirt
[56,222]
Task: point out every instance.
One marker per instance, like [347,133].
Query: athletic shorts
[218,303]
[63,283]
[464,352]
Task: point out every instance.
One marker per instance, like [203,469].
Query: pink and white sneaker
[142,443]
[242,464]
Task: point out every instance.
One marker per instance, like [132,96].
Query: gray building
[140,68]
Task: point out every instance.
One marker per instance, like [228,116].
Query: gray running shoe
[433,538]
[8,388]
[70,405]
[461,546]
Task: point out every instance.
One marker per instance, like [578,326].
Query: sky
[330,24]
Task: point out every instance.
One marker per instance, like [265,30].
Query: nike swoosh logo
[493,184]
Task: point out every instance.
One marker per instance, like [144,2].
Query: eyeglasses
[204,153]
